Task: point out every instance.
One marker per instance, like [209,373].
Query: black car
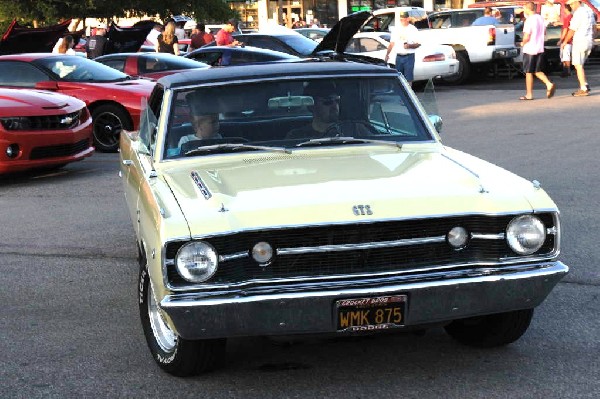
[291,43]
[223,55]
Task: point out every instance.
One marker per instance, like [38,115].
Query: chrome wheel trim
[164,336]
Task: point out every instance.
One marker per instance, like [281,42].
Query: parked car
[287,42]
[113,98]
[42,130]
[316,34]
[252,220]
[431,60]
[224,56]
[148,65]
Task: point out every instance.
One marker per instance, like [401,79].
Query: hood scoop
[61,106]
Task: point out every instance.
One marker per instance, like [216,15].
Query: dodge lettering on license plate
[364,314]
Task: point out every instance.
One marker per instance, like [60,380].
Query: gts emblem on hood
[362,210]
[201,185]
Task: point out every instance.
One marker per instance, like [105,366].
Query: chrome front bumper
[310,308]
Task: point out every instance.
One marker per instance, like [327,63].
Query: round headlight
[458,237]
[262,253]
[196,261]
[525,234]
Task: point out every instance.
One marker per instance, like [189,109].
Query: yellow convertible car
[316,197]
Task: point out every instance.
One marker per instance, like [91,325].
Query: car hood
[338,37]
[15,102]
[318,187]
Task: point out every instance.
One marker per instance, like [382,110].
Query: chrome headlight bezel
[197,261]
[525,234]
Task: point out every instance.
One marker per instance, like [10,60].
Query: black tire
[492,330]
[107,121]
[177,356]
[464,70]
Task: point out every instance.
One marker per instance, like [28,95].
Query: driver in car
[326,111]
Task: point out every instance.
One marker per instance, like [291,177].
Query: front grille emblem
[362,210]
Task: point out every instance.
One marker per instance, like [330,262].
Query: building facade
[257,13]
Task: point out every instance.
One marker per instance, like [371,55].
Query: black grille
[361,261]
[62,150]
[47,122]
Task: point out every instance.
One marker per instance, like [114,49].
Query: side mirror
[437,122]
[47,85]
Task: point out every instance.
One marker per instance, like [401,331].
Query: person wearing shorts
[581,31]
[534,31]
[565,51]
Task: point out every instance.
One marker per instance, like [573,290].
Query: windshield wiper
[232,147]
[346,140]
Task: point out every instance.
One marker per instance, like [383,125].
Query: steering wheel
[351,127]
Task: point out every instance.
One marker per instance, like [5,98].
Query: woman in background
[66,45]
[167,41]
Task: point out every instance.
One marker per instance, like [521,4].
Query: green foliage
[49,12]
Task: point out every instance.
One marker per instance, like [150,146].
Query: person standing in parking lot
[96,43]
[200,37]
[534,31]
[224,36]
[581,31]
[565,51]
[404,43]
[167,42]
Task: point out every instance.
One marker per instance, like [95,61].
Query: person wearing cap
[487,19]
[97,42]
[325,110]
[534,31]
[581,32]
[403,44]
[224,35]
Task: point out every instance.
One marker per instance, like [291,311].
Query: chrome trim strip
[480,236]
[353,247]
[503,263]
[225,258]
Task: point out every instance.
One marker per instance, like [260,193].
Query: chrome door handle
[127,162]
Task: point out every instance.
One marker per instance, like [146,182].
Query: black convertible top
[233,74]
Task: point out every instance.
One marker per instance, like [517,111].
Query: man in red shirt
[565,51]
[200,37]
[224,36]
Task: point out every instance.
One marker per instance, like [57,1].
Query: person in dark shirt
[97,42]
[326,111]
[167,42]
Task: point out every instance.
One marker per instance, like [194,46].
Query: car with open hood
[316,197]
[113,98]
[39,129]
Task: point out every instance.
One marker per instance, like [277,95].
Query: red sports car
[149,65]
[113,98]
[42,129]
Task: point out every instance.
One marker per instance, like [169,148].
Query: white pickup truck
[474,45]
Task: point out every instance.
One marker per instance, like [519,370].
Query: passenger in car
[326,111]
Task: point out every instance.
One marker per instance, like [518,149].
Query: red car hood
[21,102]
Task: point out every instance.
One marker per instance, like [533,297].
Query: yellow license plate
[366,314]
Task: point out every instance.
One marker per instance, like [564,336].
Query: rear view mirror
[290,102]
[437,122]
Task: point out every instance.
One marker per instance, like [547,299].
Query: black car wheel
[108,121]
[464,70]
[491,330]
[175,355]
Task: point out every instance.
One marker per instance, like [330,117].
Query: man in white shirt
[403,44]
[581,30]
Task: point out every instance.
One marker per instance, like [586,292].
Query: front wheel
[491,330]
[107,122]
[177,356]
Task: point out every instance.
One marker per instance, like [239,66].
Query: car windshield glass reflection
[78,69]
[291,114]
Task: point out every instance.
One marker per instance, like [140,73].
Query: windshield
[301,44]
[291,115]
[74,68]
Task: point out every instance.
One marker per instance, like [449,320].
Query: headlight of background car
[525,234]
[196,261]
